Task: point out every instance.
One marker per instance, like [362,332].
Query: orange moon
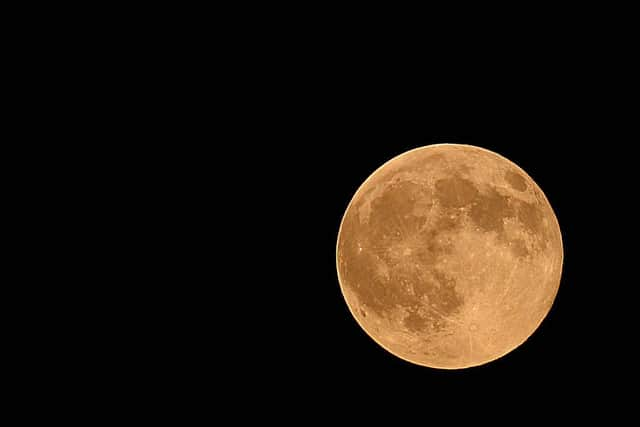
[449,256]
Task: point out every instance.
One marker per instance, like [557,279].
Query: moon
[449,256]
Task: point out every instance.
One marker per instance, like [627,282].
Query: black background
[574,358]
[276,135]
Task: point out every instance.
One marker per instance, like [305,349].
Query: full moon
[449,256]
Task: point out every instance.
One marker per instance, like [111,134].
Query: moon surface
[449,256]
